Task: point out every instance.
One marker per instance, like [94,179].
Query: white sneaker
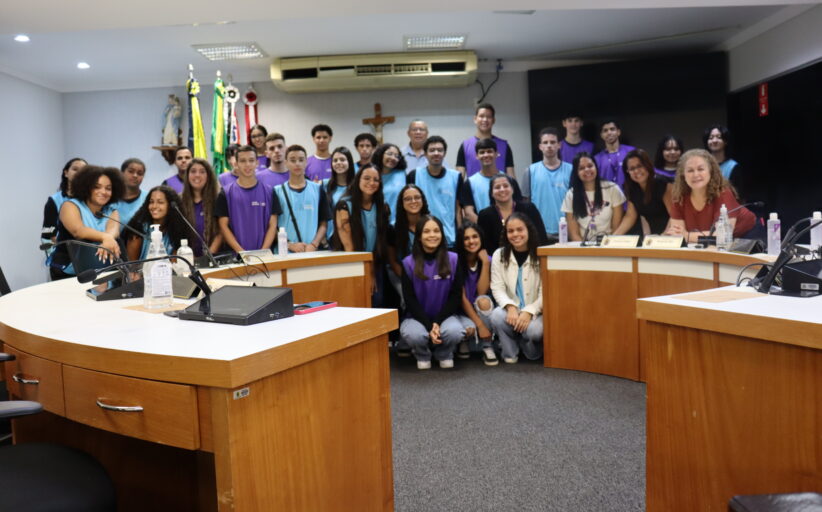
[423,365]
[445,363]
[489,357]
[510,360]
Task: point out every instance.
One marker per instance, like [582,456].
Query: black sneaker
[489,357]
[462,350]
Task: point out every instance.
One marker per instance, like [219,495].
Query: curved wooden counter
[589,297]
[229,413]
[733,398]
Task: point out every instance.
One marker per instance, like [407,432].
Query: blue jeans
[416,336]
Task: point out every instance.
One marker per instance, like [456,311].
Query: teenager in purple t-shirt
[276,173]
[573,143]
[182,157]
[256,139]
[609,160]
[247,210]
[318,167]
[467,162]
[475,266]
[668,151]
[432,288]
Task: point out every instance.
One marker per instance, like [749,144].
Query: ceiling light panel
[230,51]
[447,42]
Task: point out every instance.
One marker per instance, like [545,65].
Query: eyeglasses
[257,136]
[411,199]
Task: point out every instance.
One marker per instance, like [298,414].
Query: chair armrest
[6,357]
[15,408]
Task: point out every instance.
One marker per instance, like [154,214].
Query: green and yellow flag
[219,141]
[196,136]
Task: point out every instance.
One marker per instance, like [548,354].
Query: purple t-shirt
[610,164]
[568,151]
[271,178]
[666,175]
[249,211]
[472,165]
[175,182]
[432,292]
[227,178]
[471,280]
[199,225]
[318,168]
[262,162]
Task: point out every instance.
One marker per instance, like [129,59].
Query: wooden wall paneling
[314,437]
[592,322]
[729,415]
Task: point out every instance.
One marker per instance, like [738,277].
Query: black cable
[743,269]
[496,79]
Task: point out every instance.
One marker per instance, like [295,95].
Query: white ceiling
[148,43]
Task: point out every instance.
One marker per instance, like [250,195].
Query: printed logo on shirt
[257,203]
[436,276]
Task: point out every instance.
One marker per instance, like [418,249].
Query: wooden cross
[378,121]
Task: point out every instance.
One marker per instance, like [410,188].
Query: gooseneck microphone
[91,274]
[203,243]
[101,215]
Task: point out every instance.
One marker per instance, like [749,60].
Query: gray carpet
[516,438]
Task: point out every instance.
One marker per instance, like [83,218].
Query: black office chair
[4,285]
[43,477]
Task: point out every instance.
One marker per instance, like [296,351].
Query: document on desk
[717,296]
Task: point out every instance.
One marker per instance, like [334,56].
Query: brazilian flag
[219,141]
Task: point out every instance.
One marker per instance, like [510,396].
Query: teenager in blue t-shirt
[475,196]
[546,182]
[432,288]
[441,187]
[304,205]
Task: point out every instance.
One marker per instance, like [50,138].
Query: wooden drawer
[30,377]
[168,412]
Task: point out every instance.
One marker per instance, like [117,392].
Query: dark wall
[676,94]
[782,152]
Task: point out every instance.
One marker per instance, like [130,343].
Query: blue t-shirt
[392,183]
[127,209]
[441,192]
[548,189]
[305,204]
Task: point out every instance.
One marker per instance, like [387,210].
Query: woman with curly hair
[699,193]
[89,215]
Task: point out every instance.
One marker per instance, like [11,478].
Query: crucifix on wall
[378,121]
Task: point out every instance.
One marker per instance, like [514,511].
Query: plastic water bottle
[774,235]
[157,292]
[724,231]
[180,267]
[563,231]
[816,233]
[282,242]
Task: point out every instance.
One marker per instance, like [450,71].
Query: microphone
[758,204]
[48,245]
[101,215]
[90,274]
[203,243]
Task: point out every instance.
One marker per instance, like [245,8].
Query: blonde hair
[716,183]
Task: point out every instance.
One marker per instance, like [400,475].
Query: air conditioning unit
[375,71]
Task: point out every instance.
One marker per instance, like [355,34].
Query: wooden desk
[323,275]
[285,415]
[734,404]
[589,297]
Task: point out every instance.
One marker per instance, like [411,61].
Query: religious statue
[378,121]
[171,121]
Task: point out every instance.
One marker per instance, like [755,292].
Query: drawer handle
[119,408]
[21,379]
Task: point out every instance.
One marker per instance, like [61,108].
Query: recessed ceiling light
[22,38]
[526,12]
[229,51]
[83,65]
[451,42]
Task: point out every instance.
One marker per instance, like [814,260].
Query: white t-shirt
[611,196]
